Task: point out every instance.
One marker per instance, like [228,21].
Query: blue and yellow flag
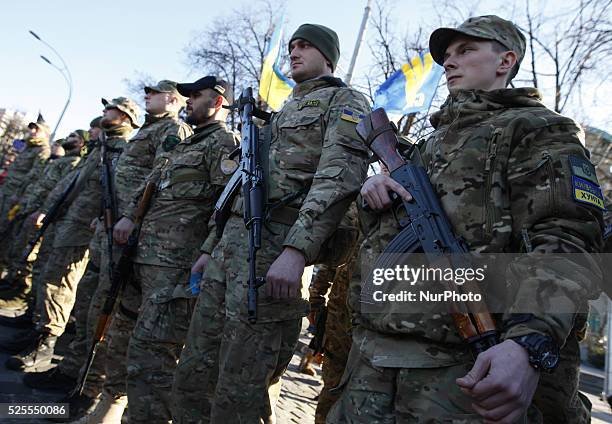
[274,87]
[411,89]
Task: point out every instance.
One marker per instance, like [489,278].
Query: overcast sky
[104,42]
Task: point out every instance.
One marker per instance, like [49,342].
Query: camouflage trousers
[557,396]
[20,270]
[195,377]
[77,350]
[404,395]
[63,271]
[110,370]
[38,270]
[156,342]
[337,342]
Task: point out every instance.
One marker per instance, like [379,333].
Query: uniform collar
[466,103]
[311,85]
[150,119]
[208,129]
[120,131]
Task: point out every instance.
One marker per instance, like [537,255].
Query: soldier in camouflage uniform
[33,158]
[64,380]
[317,162]
[160,131]
[66,263]
[32,198]
[20,270]
[189,179]
[506,170]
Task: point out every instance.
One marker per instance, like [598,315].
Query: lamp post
[65,73]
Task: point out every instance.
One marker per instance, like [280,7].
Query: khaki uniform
[32,159]
[500,163]
[32,199]
[67,262]
[314,150]
[158,134]
[189,179]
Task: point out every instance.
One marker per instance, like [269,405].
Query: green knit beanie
[323,38]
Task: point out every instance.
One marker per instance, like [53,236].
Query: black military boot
[19,342]
[38,353]
[52,379]
[79,405]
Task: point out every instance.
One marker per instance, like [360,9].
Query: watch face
[549,357]
[549,360]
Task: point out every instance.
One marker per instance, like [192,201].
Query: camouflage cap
[83,134]
[166,86]
[489,27]
[95,123]
[125,105]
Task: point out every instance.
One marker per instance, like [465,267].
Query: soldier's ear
[507,60]
[219,102]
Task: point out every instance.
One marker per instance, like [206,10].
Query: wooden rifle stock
[476,326]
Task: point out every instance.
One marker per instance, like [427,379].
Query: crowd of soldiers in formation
[179,344]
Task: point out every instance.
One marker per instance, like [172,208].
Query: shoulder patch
[228,166]
[607,231]
[583,168]
[351,115]
[587,192]
[170,143]
[308,103]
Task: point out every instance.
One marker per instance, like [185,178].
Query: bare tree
[135,86]
[574,44]
[233,46]
[390,51]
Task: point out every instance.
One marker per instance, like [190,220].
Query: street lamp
[65,73]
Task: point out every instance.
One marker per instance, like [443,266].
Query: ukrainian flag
[274,87]
[411,89]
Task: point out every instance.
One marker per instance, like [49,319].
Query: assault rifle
[120,276]
[250,175]
[427,229]
[50,217]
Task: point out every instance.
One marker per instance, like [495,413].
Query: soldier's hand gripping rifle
[427,229]
[50,217]
[250,175]
[120,276]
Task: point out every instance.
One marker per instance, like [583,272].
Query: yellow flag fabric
[274,87]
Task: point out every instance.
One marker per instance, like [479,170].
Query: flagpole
[358,42]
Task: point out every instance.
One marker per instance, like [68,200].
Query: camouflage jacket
[314,152]
[503,166]
[56,169]
[157,135]
[34,157]
[85,200]
[189,180]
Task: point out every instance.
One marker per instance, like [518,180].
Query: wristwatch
[542,350]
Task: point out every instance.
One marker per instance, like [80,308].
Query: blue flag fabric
[410,89]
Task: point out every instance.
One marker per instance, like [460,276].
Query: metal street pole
[358,42]
[65,73]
